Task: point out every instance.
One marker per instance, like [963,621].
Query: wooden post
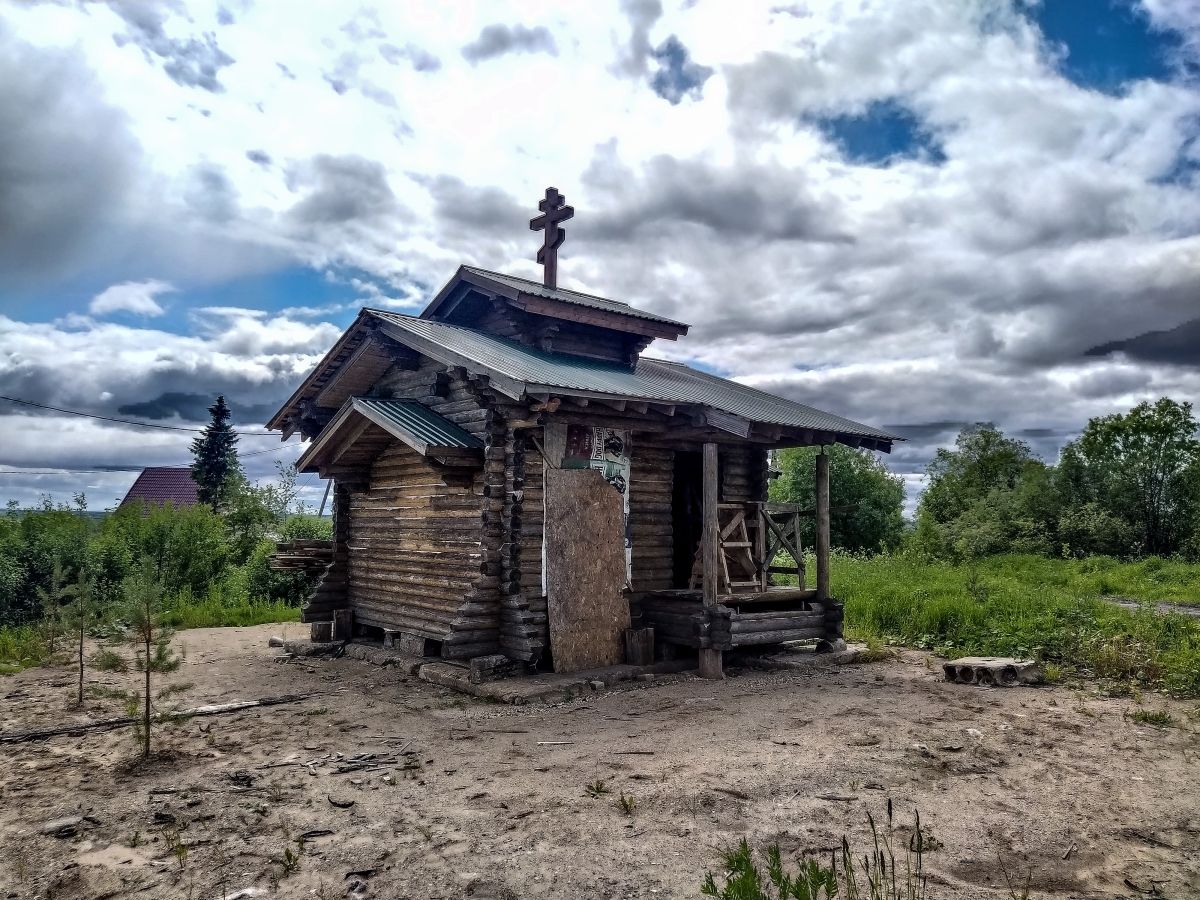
[822,526]
[710,659]
[760,547]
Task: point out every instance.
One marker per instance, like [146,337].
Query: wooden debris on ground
[38,734]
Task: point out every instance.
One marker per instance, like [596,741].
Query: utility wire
[68,471]
[19,471]
[73,412]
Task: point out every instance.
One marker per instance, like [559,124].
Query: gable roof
[525,286]
[163,484]
[519,371]
[522,289]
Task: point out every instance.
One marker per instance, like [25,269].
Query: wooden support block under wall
[639,646]
[321,632]
[711,663]
[415,644]
[343,620]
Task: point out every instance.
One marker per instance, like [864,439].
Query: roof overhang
[343,349]
[718,419]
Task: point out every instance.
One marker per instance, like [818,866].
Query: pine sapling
[83,602]
[54,599]
[152,637]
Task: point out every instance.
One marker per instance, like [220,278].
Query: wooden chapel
[513,475]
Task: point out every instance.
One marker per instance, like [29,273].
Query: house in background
[160,485]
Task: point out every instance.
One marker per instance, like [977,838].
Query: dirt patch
[382,785]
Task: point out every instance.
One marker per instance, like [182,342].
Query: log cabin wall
[425,542]
[414,545]
[651,478]
[743,473]
[444,391]
[559,336]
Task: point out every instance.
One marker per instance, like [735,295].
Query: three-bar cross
[554,211]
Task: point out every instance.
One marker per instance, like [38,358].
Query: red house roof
[164,484]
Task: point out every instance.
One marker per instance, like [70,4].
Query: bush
[214,568]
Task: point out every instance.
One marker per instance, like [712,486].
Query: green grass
[1030,606]
[214,613]
[1159,718]
[24,646]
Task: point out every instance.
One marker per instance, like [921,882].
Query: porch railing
[779,532]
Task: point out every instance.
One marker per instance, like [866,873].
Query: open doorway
[687,513]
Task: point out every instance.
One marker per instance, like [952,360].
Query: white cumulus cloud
[138,297]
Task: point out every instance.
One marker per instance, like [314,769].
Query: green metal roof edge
[422,422]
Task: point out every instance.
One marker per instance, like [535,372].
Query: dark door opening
[687,514]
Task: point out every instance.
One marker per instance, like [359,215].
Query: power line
[272,450]
[69,471]
[73,412]
[13,470]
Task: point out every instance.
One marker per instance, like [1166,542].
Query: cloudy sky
[917,213]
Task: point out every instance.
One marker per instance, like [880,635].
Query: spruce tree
[215,452]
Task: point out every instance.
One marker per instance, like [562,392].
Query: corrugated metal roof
[164,484]
[654,380]
[525,286]
[419,421]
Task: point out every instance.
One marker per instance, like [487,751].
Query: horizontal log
[779,623]
[371,591]
[742,639]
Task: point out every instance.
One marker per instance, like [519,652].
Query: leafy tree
[983,459]
[1141,467]
[868,499]
[216,459]
[989,494]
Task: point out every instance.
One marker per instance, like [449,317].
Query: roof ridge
[564,290]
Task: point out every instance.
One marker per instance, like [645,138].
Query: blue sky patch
[678,76]
[272,291]
[1107,43]
[887,130]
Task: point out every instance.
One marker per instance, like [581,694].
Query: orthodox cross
[553,212]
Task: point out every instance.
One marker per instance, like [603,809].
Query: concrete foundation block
[992,671]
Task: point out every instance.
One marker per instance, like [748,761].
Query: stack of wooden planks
[302,556]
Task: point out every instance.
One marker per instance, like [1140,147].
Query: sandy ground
[467,802]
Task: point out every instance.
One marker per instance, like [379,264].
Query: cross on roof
[553,212]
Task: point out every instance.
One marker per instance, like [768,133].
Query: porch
[730,601]
[778,615]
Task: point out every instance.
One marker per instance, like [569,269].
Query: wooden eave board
[324,370]
[357,374]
